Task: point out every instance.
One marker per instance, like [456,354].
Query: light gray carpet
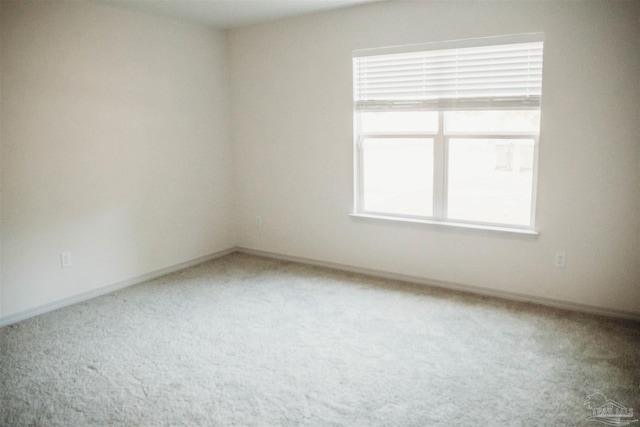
[249,341]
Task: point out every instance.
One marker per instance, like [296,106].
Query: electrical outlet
[65,259]
[257,221]
[560,259]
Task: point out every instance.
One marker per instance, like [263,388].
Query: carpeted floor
[250,341]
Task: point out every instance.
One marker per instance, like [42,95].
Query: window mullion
[439,171]
[359,178]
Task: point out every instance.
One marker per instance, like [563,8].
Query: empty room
[319,213]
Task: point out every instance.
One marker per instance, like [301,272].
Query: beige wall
[292,121]
[115,147]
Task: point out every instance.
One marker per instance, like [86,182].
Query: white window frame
[441,140]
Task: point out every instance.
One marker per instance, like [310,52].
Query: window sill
[523,232]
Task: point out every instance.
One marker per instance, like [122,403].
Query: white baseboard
[512,296]
[23,315]
[14,318]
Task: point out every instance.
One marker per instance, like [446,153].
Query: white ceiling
[234,13]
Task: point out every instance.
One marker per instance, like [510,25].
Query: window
[448,132]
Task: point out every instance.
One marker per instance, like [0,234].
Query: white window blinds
[490,73]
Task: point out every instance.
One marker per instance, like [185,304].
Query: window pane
[399,121]
[490,180]
[494,121]
[398,175]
